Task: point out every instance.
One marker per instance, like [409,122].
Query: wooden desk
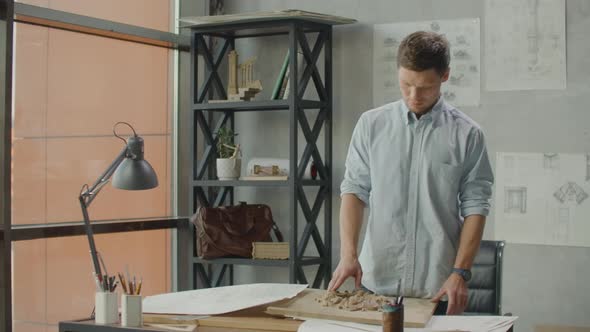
[223,325]
[248,320]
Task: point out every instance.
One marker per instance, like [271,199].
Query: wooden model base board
[417,312]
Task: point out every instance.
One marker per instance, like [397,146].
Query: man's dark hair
[423,50]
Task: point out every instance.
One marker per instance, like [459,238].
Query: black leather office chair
[485,286]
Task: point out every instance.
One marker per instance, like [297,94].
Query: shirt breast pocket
[447,175]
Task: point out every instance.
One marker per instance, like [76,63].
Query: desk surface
[90,326]
[247,320]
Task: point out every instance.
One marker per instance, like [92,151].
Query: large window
[69,90]
[153,14]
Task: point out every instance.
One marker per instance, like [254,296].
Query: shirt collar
[433,114]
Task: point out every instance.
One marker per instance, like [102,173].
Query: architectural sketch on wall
[551,161]
[534,56]
[542,198]
[570,191]
[463,86]
[515,200]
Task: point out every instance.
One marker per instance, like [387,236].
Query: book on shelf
[300,63]
[277,88]
[264,177]
[270,250]
[284,84]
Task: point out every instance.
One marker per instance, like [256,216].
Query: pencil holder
[131,313]
[105,307]
[393,318]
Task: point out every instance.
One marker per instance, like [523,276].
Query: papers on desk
[472,323]
[219,300]
[436,324]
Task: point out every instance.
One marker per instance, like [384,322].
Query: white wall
[542,284]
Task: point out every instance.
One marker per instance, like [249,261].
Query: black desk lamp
[130,172]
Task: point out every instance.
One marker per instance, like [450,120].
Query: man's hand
[456,289]
[348,267]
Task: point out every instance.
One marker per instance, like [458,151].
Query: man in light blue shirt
[422,168]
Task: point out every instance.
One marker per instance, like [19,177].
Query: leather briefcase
[229,231]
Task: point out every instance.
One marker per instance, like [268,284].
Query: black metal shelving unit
[208,118]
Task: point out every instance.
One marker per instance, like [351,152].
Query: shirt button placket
[412,209]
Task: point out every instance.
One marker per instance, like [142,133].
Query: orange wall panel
[29,282]
[69,268]
[30,327]
[28,181]
[153,14]
[30,81]
[74,162]
[94,82]
[40,3]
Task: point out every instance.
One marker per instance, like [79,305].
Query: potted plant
[228,161]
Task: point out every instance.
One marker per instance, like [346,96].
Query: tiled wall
[69,91]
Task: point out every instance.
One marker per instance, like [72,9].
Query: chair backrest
[485,286]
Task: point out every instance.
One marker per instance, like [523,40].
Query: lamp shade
[135,173]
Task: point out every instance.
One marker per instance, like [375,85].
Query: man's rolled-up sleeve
[476,184]
[357,176]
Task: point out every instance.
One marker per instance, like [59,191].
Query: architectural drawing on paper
[551,161]
[461,40]
[463,89]
[572,192]
[461,54]
[390,56]
[533,37]
[459,80]
[515,200]
[542,198]
[391,70]
[390,42]
[534,55]
[450,96]
[509,161]
[434,26]
[389,84]
[560,230]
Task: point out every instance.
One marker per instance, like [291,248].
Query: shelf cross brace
[311,216]
[311,149]
[212,63]
[311,70]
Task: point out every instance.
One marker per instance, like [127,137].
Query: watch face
[467,275]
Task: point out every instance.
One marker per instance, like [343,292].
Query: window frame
[11,13]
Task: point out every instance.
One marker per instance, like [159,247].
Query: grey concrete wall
[542,284]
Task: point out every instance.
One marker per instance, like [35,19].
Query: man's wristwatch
[464,273]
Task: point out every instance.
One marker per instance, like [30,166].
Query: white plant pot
[228,169]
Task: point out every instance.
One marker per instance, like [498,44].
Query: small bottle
[313,171]
[393,317]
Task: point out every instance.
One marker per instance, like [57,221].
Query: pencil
[139,287]
[122,279]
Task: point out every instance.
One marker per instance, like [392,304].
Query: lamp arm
[90,235]
[91,192]
[86,197]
